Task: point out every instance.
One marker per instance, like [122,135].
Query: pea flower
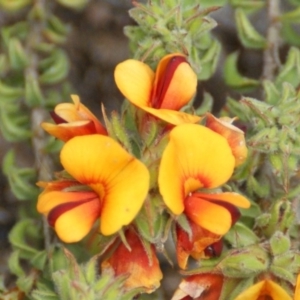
[234,136]
[73,120]
[265,289]
[195,245]
[198,158]
[200,286]
[162,93]
[117,186]
[141,266]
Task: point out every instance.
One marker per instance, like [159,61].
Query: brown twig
[271,59]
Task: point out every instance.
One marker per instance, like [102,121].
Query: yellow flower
[234,136]
[142,267]
[73,120]
[118,185]
[265,289]
[198,158]
[162,93]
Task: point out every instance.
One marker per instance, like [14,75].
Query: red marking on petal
[163,84]
[56,212]
[56,118]
[214,250]
[233,210]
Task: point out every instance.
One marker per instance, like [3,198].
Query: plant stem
[43,162]
[271,59]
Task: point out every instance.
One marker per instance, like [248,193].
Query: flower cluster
[105,185]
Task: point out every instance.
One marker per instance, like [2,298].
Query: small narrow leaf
[248,35]
[232,76]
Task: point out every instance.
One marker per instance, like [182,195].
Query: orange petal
[172,116]
[50,199]
[232,198]
[208,215]
[78,112]
[142,270]
[74,224]
[66,131]
[264,288]
[195,246]
[195,157]
[120,180]
[134,79]
[194,287]
[233,134]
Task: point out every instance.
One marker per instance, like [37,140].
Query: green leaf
[248,5]
[14,264]
[26,282]
[248,35]
[54,68]
[272,95]
[33,94]
[290,34]
[283,273]
[279,243]
[21,180]
[10,93]
[19,235]
[290,71]
[209,60]
[74,4]
[44,295]
[39,260]
[14,124]
[291,16]
[240,236]
[232,76]
[17,55]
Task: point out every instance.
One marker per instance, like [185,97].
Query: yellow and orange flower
[234,136]
[118,184]
[73,120]
[200,286]
[142,267]
[195,245]
[162,93]
[196,160]
[265,289]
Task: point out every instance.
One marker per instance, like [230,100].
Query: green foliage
[33,72]
[85,282]
[172,26]
[233,78]
[248,35]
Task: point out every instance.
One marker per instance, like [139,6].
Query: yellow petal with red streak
[196,153]
[50,199]
[232,198]
[75,224]
[181,89]
[120,180]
